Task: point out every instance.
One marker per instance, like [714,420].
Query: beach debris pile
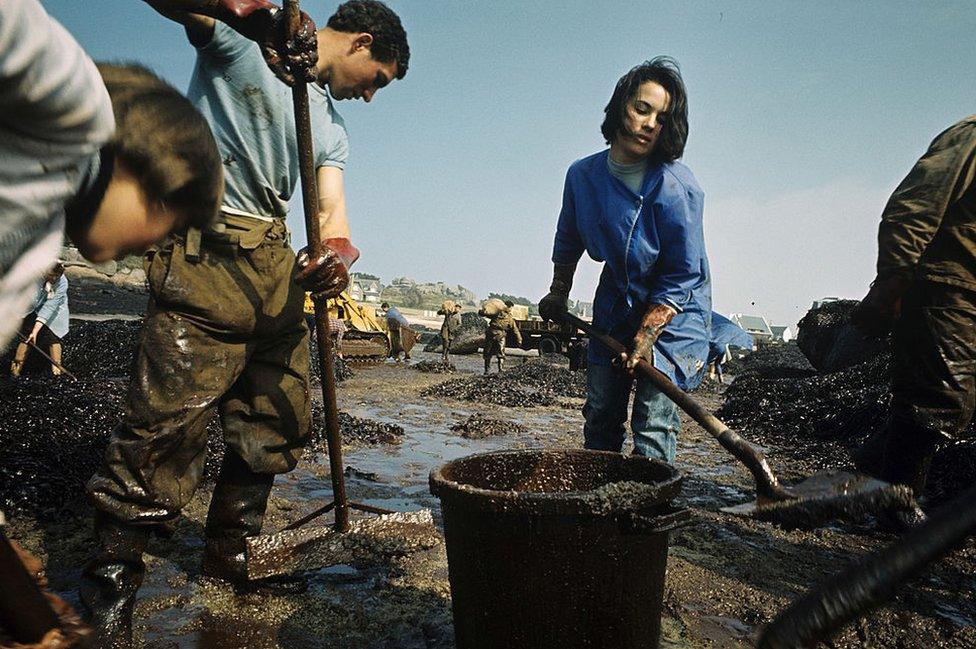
[54,432]
[53,435]
[817,419]
[435,367]
[830,342]
[478,427]
[357,431]
[525,386]
[772,362]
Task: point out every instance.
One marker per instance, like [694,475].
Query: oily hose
[827,608]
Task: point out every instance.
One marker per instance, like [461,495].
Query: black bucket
[557,549]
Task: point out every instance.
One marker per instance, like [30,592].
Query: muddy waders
[933,382]
[224,334]
[236,512]
[110,580]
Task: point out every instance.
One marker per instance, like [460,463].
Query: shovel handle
[306,168]
[767,486]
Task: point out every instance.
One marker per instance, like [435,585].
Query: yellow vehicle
[366,337]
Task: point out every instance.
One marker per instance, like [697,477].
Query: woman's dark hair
[380,22]
[674,129]
[165,143]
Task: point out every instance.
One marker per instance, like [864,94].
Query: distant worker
[452,323]
[501,324]
[73,143]
[639,211]
[395,323]
[925,293]
[47,322]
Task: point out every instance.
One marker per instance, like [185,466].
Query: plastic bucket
[557,549]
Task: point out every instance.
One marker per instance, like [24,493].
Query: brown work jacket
[503,321]
[928,228]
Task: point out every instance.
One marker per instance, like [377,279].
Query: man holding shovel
[925,294]
[225,330]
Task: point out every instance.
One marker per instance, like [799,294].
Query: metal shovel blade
[368,541]
[826,496]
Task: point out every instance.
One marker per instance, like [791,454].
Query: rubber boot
[236,513]
[908,453]
[110,581]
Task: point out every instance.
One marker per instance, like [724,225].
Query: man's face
[642,122]
[357,75]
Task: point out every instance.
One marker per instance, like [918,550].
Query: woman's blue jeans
[654,422]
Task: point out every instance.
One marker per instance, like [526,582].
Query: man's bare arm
[333,219]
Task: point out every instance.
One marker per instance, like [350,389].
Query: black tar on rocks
[535,383]
[434,367]
[54,432]
[818,420]
[479,426]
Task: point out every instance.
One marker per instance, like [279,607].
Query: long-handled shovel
[297,548]
[820,498]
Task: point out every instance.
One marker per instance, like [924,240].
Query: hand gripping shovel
[818,499]
[391,533]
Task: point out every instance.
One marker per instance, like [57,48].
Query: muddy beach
[727,576]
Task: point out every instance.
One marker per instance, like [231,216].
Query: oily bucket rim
[562,502]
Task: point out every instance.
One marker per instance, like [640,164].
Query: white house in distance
[364,287]
[755,325]
[782,333]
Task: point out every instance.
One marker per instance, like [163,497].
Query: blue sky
[804,117]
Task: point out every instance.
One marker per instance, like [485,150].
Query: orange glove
[657,317]
[328,275]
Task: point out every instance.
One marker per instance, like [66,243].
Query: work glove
[877,312]
[657,317]
[291,59]
[555,305]
[328,275]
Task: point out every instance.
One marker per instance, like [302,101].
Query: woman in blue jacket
[47,322]
[639,211]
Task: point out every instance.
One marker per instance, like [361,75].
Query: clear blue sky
[804,117]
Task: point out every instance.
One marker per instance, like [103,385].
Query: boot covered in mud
[110,581]
[908,453]
[236,513]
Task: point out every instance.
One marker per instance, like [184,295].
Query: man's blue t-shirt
[252,117]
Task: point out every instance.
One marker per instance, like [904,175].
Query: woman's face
[643,117]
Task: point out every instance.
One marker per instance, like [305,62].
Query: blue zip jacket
[653,249]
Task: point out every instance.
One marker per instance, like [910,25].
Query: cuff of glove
[343,249]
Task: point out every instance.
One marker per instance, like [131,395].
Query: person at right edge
[638,210]
[224,332]
[925,296]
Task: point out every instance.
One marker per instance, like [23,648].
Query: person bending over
[637,210]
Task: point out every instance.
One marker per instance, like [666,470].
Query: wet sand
[726,576]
